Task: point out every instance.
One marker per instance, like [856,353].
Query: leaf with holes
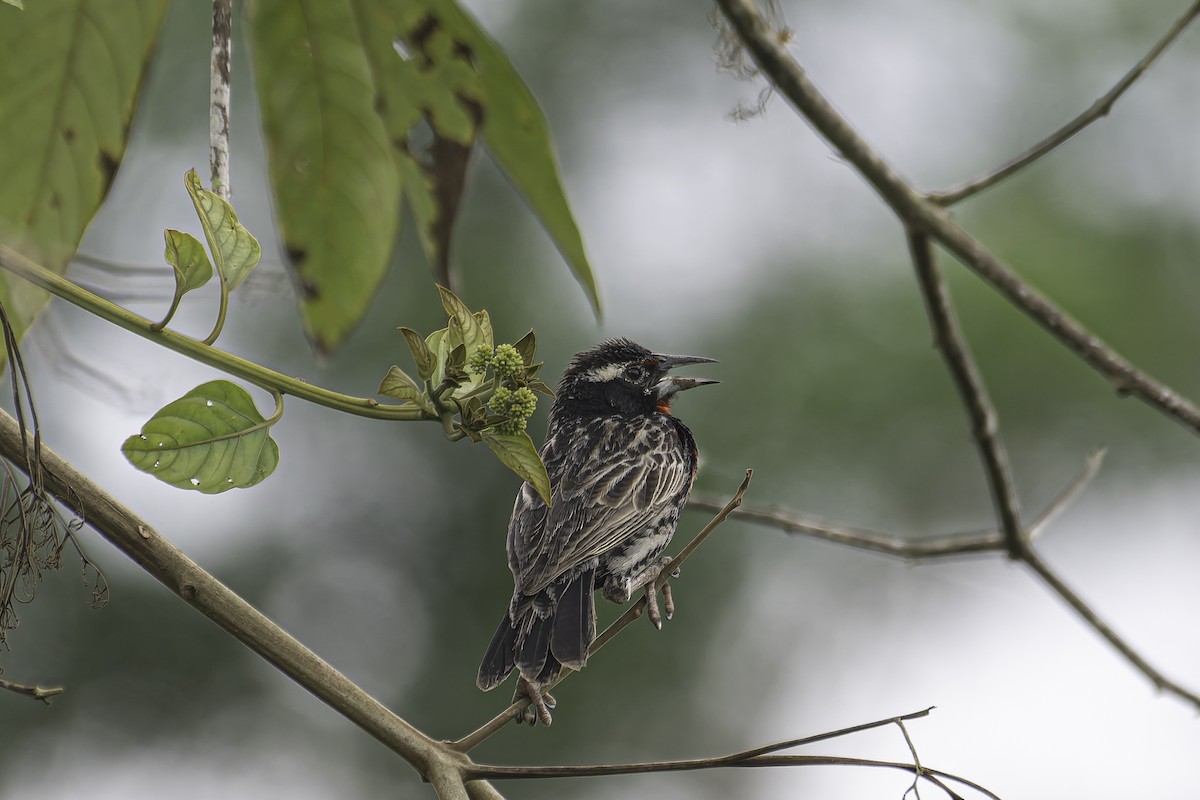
[212,439]
[517,452]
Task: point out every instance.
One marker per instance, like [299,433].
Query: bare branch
[36,692]
[218,104]
[153,553]
[765,756]
[920,213]
[515,710]
[1097,110]
[949,339]
[1067,496]
[1160,681]
[907,547]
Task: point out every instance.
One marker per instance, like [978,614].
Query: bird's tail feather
[533,645]
[575,622]
[499,658]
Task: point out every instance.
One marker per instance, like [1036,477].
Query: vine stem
[236,366]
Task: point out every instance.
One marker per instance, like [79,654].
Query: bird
[621,468]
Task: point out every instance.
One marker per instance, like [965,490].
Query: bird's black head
[623,377]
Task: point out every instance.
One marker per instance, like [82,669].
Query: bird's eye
[635,373]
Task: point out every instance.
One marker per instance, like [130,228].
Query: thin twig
[1056,584]
[950,341]
[515,710]
[917,211]
[36,692]
[494,771]
[1097,110]
[918,771]
[907,547]
[218,105]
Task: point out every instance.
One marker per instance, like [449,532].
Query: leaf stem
[219,325]
[158,326]
[228,363]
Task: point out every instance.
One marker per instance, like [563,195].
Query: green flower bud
[523,403]
[480,360]
[507,362]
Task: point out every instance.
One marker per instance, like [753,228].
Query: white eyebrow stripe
[605,373]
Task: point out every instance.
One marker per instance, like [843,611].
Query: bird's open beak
[670,384]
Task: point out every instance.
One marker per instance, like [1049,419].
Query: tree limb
[918,212]
[168,565]
[985,428]
[43,693]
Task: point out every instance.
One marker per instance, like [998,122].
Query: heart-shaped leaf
[212,439]
[192,268]
[234,249]
[186,256]
[516,451]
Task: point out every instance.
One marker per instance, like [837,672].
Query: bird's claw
[652,575]
[540,704]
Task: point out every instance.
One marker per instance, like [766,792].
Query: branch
[36,692]
[195,349]
[1098,109]
[153,553]
[922,214]
[959,544]
[517,708]
[949,339]
[218,104]
[765,756]
[1056,584]
[907,547]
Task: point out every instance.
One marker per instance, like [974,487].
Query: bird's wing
[610,481]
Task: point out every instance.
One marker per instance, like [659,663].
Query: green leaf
[438,343]
[192,269]
[186,255]
[527,347]
[212,439]
[474,334]
[541,387]
[423,357]
[516,451]
[398,384]
[428,77]
[234,249]
[70,73]
[331,167]
[516,134]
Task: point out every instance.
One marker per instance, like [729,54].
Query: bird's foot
[648,578]
[540,703]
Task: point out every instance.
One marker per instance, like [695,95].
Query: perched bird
[621,468]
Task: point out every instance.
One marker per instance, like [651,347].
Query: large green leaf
[212,439]
[336,186]
[449,72]
[70,71]
[518,137]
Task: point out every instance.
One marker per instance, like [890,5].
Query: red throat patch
[664,405]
